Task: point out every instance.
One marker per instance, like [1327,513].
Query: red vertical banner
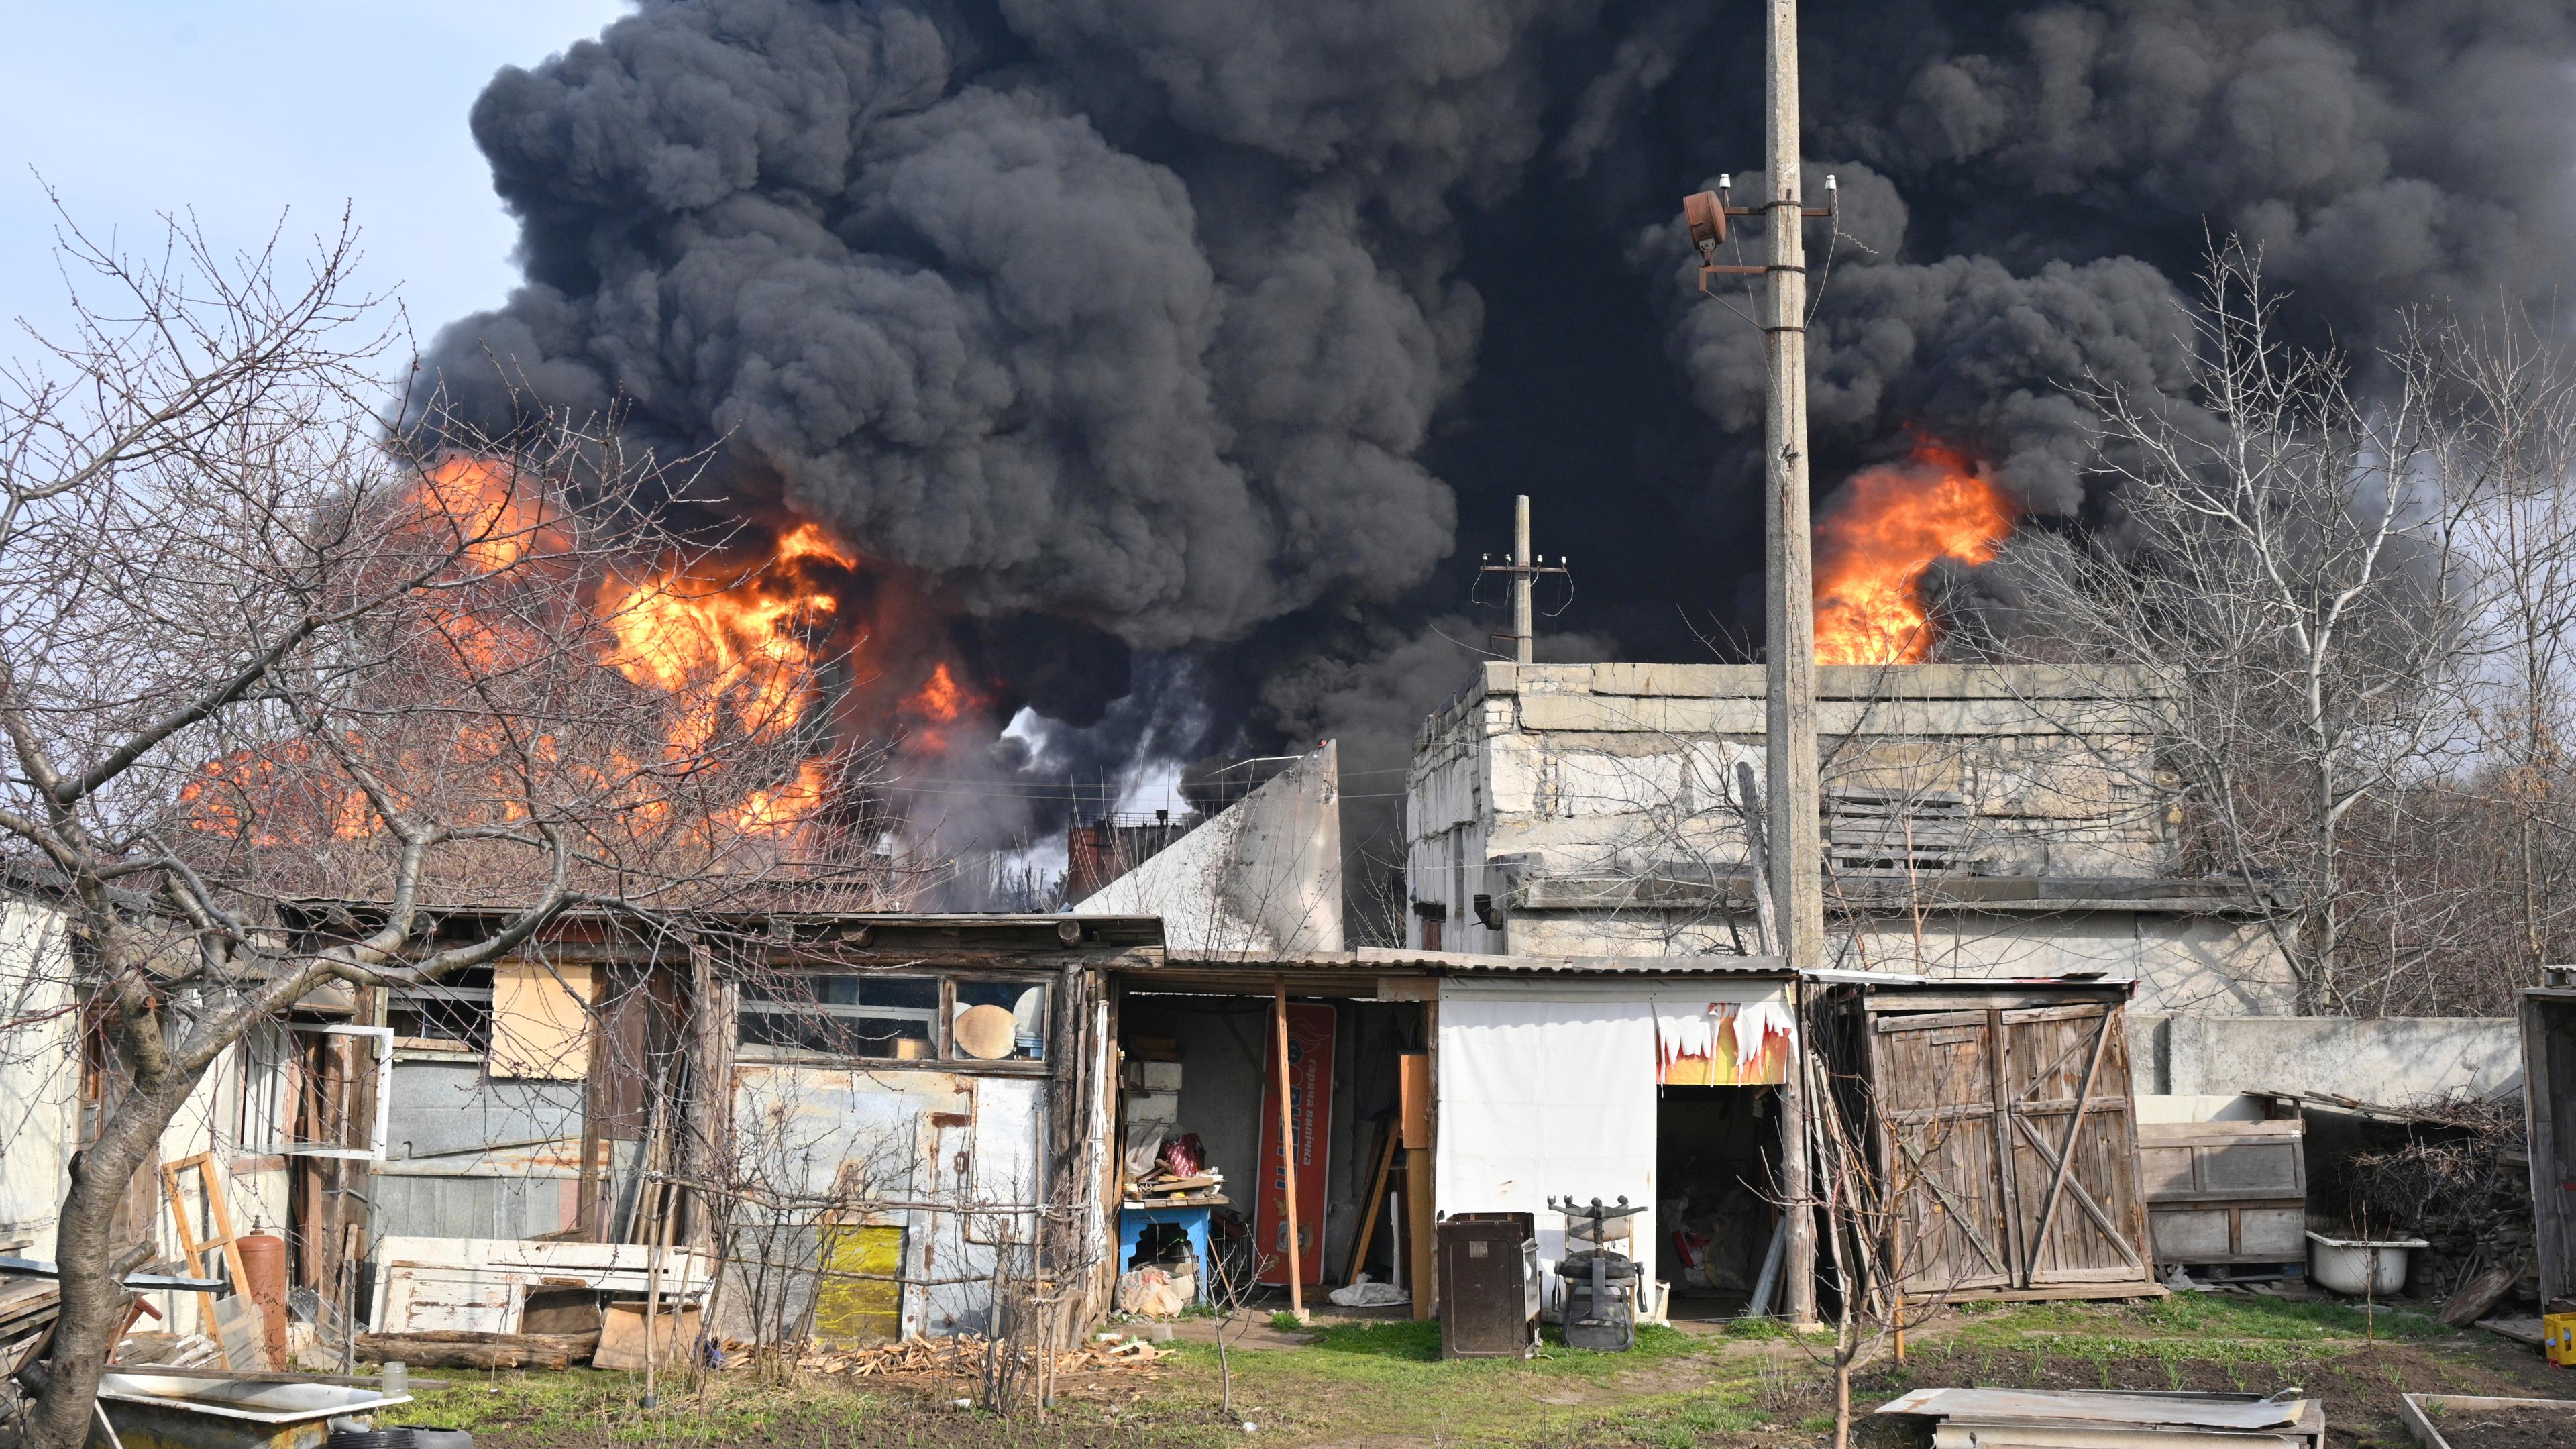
[1310,1095]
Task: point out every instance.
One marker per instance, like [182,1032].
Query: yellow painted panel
[853,1311]
[541,1020]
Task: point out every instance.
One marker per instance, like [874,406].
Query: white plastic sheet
[1704,1043]
[1546,1096]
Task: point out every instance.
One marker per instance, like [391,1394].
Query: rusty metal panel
[1488,1285]
[962,1153]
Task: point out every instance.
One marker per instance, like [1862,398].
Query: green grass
[599,1405]
[1387,1374]
[1385,1379]
[2197,1316]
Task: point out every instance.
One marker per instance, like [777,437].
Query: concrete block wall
[1598,771]
[1595,803]
[2395,1061]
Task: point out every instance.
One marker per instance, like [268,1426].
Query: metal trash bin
[1489,1285]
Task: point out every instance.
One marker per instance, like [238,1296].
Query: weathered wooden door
[2080,1211]
[1974,1111]
[1937,1124]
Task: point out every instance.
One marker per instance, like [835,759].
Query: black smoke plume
[1194,348]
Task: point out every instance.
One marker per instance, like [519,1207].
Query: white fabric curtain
[1546,1096]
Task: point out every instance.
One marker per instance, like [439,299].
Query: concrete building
[1980,821]
[1262,877]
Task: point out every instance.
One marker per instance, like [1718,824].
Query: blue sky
[251,109]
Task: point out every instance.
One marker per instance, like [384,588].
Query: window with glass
[925,1018]
[454,1012]
[998,1021]
[882,1018]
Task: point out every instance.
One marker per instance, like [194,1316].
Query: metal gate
[2008,1135]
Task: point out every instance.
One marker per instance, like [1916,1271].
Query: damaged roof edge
[1382,958]
[1055,931]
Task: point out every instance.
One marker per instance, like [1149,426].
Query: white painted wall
[1264,876]
[39,1073]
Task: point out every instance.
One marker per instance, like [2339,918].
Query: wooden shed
[1970,1092]
[2549,1105]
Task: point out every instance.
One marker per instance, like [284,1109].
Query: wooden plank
[2057,1063]
[2074,1127]
[1928,1021]
[210,1181]
[2085,1200]
[1422,1275]
[1369,1205]
[2549,1106]
[2007,1181]
[2049,1293]
[2016,1016]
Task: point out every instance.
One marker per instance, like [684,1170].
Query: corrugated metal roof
[1369,959]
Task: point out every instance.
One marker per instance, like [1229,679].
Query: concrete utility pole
[1522,633]
[1789,606]
[1524,570]
[1796,865]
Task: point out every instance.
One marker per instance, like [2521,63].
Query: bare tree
[2511,443]
[255,649]
[2286,574]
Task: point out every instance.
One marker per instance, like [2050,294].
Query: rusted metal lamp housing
[1704,214]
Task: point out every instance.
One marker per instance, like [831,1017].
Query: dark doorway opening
[1714,1149]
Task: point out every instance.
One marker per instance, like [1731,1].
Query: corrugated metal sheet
[961,1152]
[470,1157]
[1371,959]
[445,1105]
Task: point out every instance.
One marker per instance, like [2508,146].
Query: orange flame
[941,700]
[1880,532]
[745,645]
[774,811]
[494,518]
[807,540]
[735,644]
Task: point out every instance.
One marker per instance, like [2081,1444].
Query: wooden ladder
[211,1181]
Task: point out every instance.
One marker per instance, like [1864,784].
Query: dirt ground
[2505,1429]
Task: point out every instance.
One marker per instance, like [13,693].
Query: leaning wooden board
[480,1285]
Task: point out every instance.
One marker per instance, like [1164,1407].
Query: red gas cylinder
[263,1261]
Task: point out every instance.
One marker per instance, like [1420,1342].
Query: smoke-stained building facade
[1979,821]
